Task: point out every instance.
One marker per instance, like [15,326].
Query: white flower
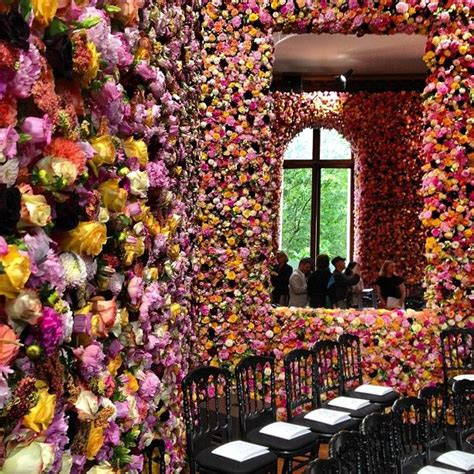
[9,172]
[87,405]
[32,459]
[139,183]
[75,270]
[103,468]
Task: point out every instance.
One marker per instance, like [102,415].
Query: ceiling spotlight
[345,76]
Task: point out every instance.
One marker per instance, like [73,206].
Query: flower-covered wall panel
[97,151]
[384,130]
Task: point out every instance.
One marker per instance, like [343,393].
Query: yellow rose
[15,272]
[113,196]
[105,151]
[132,250]
[103,468]
[41,415]
[93,67]
[95,442]
[44,10]
[87,238]
[136,149]
[34,210]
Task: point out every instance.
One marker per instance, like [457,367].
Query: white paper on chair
[240,451]
[458,459]
[349,403]
[464,377]
[281,429]
[328,417]
[379,390]
[435,470]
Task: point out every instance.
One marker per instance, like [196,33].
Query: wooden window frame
[317,164]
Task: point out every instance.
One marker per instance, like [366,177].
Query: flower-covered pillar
[448,184]
[236,189]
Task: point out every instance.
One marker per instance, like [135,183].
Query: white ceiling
[331,55]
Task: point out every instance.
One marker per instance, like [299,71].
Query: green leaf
[25,8]
[88,22]
[24,137]
[57,27]
[112,9]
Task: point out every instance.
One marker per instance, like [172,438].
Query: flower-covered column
[236,189]
[448,184]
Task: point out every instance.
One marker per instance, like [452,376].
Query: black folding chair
[411,419]
[155,455]
[301,394]
[324,466]
[352,374]
[463,397]
[257,408]
[380,443]
[457,350]
[329,380]
[206,392]
[436,415]
[348,448]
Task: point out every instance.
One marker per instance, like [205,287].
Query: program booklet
[240,451]
[284,430]
[328,417]
[349,403]
[380,390]
[460,459]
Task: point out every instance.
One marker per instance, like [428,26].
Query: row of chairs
[389,442]
[327,370]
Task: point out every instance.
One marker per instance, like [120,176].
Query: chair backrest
[324,466]
[329,377]
[351,360]
[463,395]
[155,454]
[256,392]
[206,394]
[411,418]
[436,406]
[380,442]
[457,350]
[348,447]
[300,380]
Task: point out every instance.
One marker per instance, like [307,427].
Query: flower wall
[96,172]
[385,131]
[398,348]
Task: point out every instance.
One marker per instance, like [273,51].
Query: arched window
[317,207]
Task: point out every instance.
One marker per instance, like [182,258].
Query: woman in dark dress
[318,282]
[280,278]
[390,287]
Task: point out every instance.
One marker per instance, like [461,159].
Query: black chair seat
[212,462]
[323,428]
[386,400]
[362,413]
[283,445]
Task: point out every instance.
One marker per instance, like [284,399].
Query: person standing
[298,284]
[339,284]
[280,278]
[390,287]
[355,291]
[318,282]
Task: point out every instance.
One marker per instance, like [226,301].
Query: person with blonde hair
[390,287]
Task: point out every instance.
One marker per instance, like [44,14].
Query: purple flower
[38,128]
[149,386]
[8,140]
[3,246]
[28,72]
[158,174]
[50,330]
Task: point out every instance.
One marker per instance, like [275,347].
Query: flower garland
[96,170]
[385,133]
